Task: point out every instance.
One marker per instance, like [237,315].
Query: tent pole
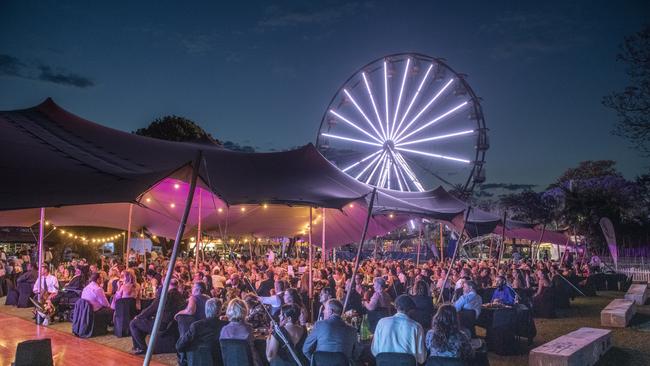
[503,237]
[41,225]
[197,248]
[172,260]
[323,250]
[128,236]
[417,258]
[453,257]
[311,270]
[363,238]
[442,248]
[541,237]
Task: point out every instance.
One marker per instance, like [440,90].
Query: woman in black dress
[276,350]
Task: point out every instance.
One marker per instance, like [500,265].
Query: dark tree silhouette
[632,104]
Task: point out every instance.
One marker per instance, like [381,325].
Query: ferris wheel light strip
[362,160]
[399,182]
[372,173]
[362,112]
[355,126]
[400,139]
[460,133]
[424,109]
[386,100]
[388,168]
[433,155]
[382,181]
[368,166]
[382,171]
[399,170]
[409,171]
[415,96]
[399,99]
[374,106]
[351,139]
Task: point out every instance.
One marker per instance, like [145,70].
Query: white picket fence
[637,274]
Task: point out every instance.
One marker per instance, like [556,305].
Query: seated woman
[445,339]
[276,350]
[256,317]
[128,288]
[238,328]
[292,297]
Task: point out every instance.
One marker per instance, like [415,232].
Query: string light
[243,209]
[177,186]
[220,210]
[148,199]
[172,205]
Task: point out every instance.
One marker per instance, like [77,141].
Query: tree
[593,190]
[632,105]
[529,206]
[175,128]
[589,169]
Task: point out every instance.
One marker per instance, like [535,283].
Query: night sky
[263,75]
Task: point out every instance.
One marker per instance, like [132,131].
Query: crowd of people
[410,309]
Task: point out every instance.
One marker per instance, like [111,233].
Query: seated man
[470,300]
[399,333]
[48,287]
[94,294]
[142,324]
[332,334]
[503,294]
[205,332]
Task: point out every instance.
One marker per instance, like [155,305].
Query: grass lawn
[631,344]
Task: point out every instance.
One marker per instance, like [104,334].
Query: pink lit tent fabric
[87,174]
[533,235]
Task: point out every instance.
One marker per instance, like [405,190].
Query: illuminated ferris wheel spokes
[393,131]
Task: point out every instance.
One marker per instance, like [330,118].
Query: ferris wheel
[406,122]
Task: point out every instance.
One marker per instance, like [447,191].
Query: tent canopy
[88,174]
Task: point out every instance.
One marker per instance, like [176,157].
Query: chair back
[395,359]
[467,320]
[125,311]
[445,361]
[329,359]
[203,355]
[34,352]
[236,352]
[374,316]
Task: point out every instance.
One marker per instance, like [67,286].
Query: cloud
[12,66]
[529,35]
[64,78]
[282,17]
[507,186]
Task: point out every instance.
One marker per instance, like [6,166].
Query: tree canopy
[175,128]
[632,104]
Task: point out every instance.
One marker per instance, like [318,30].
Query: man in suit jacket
[333,334]
[201,341]
[142,324]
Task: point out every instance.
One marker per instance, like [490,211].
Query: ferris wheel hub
[389,145]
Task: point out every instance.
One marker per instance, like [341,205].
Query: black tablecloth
[499,324]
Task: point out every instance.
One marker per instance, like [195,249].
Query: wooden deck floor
[66,349]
